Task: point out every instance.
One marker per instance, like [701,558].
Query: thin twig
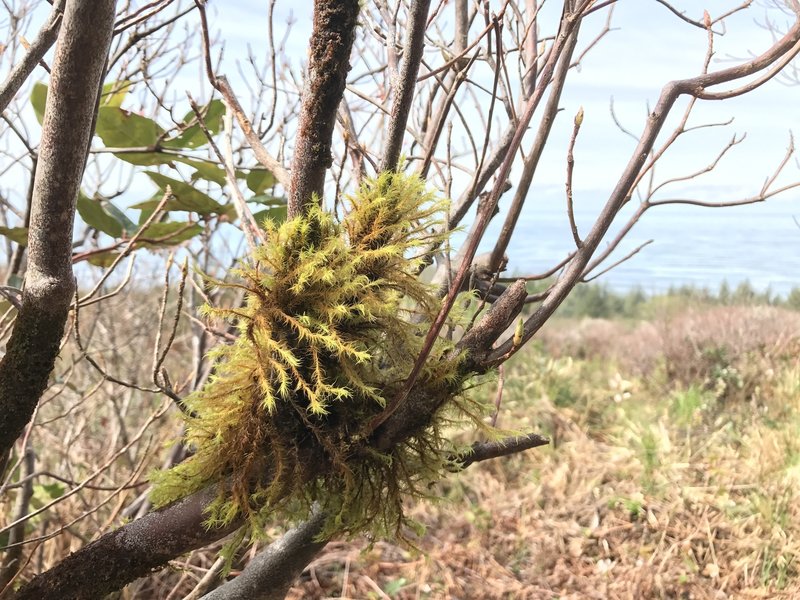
[131,244]
[22,70]
[570,167]
[406,84]
[487,450]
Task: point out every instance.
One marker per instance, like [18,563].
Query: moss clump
[326,339]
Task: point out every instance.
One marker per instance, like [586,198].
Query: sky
[647,47]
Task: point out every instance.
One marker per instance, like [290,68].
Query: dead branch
[487,450]
[695,87]
[406,84]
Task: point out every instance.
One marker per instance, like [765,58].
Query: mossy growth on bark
[334,320]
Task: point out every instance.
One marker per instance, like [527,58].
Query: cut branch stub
[328,64]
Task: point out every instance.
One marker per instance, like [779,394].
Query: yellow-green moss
[326,339]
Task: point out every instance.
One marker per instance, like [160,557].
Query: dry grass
[658,486]
[673,470]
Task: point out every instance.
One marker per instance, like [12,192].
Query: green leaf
[147,159]
[267,200]
[54,490]
[193,136]
[114,93]
[395,585]
[205,170]
[169,234]
[39,100]
[277,214]
[45,493]
[95,215]
[119,128]
[103,259]
[128,226]
[259,180]
[185,196]
[16,234]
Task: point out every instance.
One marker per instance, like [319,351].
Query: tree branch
[132,551]
[269,575]
[44,40]
[481,451]
[329,61]
[695,87]
[404,91]
[49,284]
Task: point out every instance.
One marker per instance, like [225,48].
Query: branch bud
[518,332]
[579,117]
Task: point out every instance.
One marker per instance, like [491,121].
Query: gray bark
[22,70]
[269,575]
[130,552]
[78,67]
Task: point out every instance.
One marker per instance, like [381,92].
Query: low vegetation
[673,470]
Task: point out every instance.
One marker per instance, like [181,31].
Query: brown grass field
[673,472]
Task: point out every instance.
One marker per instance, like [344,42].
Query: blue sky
[649,48]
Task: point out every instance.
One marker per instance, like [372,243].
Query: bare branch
[328,64]
[12,561]
[487,450]
[132,551]
[406,84]
[570,167]
[627,257]
[671,92]
[531,161]
[269,575]
[68,124]
[46,38]
[262,156]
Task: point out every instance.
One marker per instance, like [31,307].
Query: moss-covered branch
[325,339]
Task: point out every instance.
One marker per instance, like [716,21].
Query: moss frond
[326,339]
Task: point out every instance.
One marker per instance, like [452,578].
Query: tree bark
[270,574]
[31,352]
[328,64]
[406,84]
[130,552]
[22,70]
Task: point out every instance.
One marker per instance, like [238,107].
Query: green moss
[333,321]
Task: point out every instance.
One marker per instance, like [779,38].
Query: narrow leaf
[94,215]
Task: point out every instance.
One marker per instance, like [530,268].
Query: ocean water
[692,245]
